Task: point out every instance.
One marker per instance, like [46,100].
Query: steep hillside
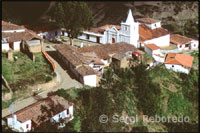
[178,17]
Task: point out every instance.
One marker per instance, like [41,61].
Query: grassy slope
[24,71]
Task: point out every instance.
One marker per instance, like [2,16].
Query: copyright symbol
[103,119]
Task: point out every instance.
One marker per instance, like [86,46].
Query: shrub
[48,78]
[179,105]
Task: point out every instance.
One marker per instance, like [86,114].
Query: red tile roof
[33,111]
[71,54]
[85,70]
[146,33]
[10,26]
[179,40]
[79,62]
[147,20]
[91,56]
[103,51]
[152,46]
[119,56]
[179,59]
[17,36]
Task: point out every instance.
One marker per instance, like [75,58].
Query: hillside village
[92,52]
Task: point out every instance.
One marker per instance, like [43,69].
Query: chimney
[14,118]
[81,44]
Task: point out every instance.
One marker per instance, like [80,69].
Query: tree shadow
[63,65]
[44,122]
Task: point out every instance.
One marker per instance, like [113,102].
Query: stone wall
[35,49]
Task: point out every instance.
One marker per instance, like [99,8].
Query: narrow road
[64,81]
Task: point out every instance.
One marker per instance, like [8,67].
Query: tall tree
[74,17]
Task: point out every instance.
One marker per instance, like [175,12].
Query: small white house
[184,43]
[179,62]
[87,75]
[151,23]
[27,118]
[5,46]
[13,36]
[152,49]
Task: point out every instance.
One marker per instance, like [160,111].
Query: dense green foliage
[132,91]
[73,16]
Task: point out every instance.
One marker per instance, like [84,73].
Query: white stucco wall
[25,124]
[16,125]
[162,41]
[90,80]
[149,51]
[158,58]
[92,37]
[105,62]
[12,31]
[177,68]
[181,47]
[5,46]
[156,51]
[153,25]
[194,44]
[16,46]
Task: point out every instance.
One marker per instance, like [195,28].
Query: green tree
[73,16]
[147,92]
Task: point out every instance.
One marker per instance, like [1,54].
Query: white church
[136,32]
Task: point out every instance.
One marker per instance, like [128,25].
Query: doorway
[98,40]
[113,40]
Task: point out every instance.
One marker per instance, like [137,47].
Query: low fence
[48,58]
[159,58]
[169,51]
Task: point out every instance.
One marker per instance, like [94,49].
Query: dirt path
[63,79]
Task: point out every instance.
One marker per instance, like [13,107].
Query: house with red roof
[30,117]
[179,62]
[16,38]
[151,49]
[184,43]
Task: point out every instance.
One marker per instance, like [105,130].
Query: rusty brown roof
[152,46]
[33,111]
[76,59]
[71,54]
[85,70]
[27,35]
[147,20]
[119,56]
[104,50]
[146,33]
[178,39]
[17,36]
[10,26]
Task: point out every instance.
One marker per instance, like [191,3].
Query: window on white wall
[26,125]
[125,28]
